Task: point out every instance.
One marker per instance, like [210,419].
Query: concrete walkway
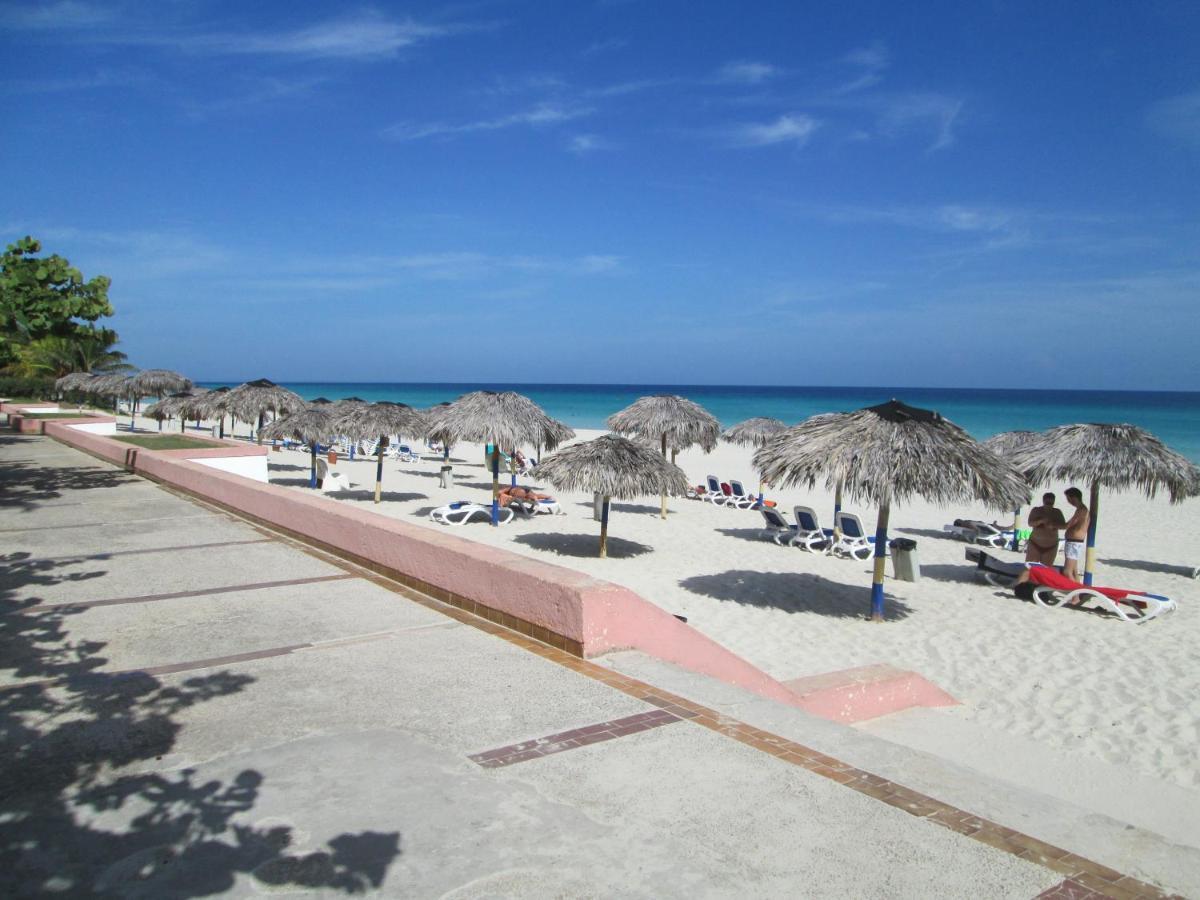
[191,705]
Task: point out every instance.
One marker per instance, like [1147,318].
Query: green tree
[45,296]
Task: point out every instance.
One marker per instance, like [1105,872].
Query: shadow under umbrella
[793,592]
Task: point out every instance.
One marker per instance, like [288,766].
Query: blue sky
[974,194]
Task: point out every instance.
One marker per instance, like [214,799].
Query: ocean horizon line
[714,385]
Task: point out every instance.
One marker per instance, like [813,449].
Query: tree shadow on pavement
[794,592]
[85,814]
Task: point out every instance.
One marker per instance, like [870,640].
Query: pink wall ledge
[569,609]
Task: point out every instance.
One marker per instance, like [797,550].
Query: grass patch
[167,442]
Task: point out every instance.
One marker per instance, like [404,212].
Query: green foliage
[45,296]
[56,356]
[26,388]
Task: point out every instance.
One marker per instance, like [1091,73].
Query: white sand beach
[1071,680]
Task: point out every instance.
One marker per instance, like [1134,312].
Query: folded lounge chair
[461,511]
[809,533]
[1051,588]
[850,538]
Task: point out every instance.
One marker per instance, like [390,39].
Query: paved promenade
[191,705]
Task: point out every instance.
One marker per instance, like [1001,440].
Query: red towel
[1052,578]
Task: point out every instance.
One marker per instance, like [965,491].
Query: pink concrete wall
[18,422]
[601,616]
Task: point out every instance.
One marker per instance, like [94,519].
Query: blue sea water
[1173,416]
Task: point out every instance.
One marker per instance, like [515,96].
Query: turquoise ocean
[1173,416]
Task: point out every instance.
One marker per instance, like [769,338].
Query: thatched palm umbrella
[378,420]
[444,436]
[170,406]
[310,426]
[1110,456]
[1005,445]
[886,453]
[115,386]
[676,421]
[213,404]
[753,433]
[251,401]
[612,466]
[155,382]
[503,419]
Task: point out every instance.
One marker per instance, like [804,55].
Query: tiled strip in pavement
[1079,872]
[576,737]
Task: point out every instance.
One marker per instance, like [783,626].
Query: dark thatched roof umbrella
[612,466]
[1005,445]
[251,401]
[310,426]
[378,420]
[753,433]
[503,419]
[676,421]
[887,453]
[444,436]
[1116,457]
[72,381]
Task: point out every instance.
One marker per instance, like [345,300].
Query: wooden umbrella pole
[1016,529]
[664,496]
[604,527]
[312,475]
[379,466]
[496,484]
[837,508]
[881,527]
[1089,565]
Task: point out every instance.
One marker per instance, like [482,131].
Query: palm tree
[57,355]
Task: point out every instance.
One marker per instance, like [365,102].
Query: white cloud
[588,143]
[63,14]
[906,111]
[1177,118]
[542,114]
[99,79]
[794,128]
[366,36]
[604,46]
[746,73]
[870,62]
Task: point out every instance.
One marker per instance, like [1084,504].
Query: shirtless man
[1046,521]
[1077,529]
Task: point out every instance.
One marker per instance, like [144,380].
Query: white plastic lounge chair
[714,494]
[1052,589]
[851,538]
[809,533]
[739,498]
[778,528]
[331,481]
[462,511]
[973,531]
